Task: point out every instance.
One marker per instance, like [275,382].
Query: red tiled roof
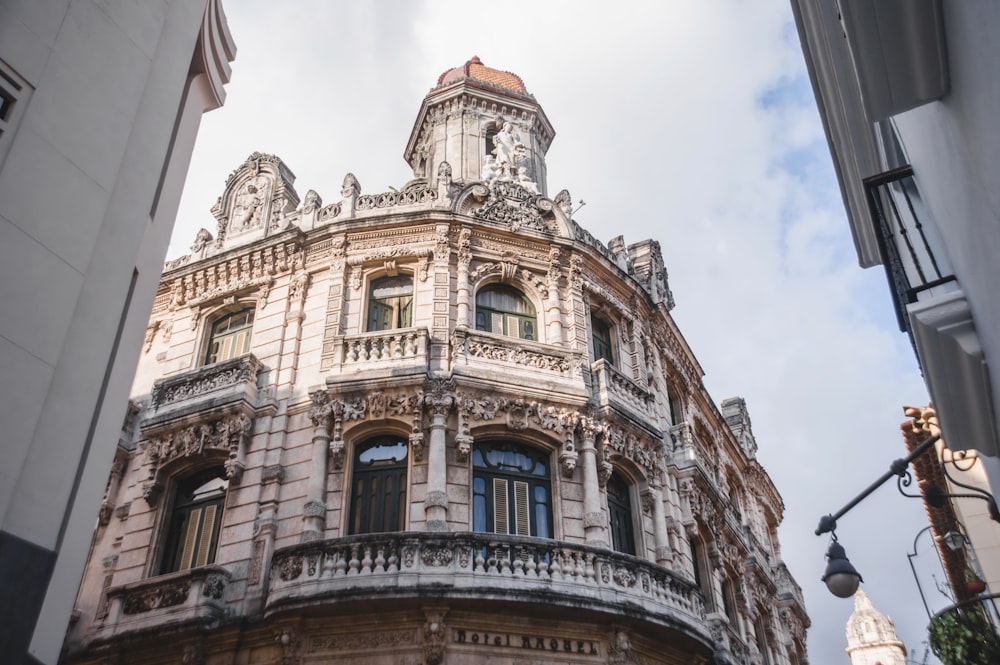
[476,70]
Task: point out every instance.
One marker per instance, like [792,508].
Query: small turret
[485,124]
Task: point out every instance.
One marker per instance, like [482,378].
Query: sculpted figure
[508,150]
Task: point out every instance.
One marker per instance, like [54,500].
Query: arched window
[378,492]
[511,492]
[390,303]
[193,531]
[620,515]
[505,310]
[600,335]
[230,336]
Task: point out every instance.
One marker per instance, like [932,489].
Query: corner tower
[484,124]
[871,635]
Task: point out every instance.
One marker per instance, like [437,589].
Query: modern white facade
[99,106]
[908,93]
[438,424]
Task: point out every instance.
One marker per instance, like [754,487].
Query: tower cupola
[485,125]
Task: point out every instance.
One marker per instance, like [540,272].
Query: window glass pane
[505,310]
[230,336]
[601,335]
[390,303]
[518,497]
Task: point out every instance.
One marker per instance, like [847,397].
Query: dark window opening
[378,492]
[601,337]
[620,516]
[193,533]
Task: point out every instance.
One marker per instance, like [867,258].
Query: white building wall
[90,175]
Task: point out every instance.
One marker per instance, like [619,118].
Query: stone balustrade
[616,389]
[485,566]
[383,347]
[196,595]
[474,346]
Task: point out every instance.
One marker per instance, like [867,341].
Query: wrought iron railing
[914,263]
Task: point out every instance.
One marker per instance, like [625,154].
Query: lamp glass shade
[954,540]
[840,576]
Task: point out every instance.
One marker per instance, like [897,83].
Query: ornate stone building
[871,635]
[443,424]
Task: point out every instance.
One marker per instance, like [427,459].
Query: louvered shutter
[501,518]
[205,537]
[522,512]
[190,539]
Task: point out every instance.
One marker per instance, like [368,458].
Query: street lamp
[840,576]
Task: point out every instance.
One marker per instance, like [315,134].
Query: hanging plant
[964,636]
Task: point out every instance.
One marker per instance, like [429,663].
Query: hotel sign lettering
[521,641]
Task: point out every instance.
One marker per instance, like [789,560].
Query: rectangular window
[14,92]
[601,335]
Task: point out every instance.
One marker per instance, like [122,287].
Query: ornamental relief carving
[206,380]
[160,596]
[516,207]
[229,434]
[255,269]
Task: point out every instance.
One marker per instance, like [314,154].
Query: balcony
[483,566]
[915,266]
[197,595]
[513,360]
[388,351]
[616,390]
[209,388]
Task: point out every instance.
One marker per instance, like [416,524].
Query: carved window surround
[202,416]
[194,595]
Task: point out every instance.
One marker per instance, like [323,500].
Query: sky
[692,123]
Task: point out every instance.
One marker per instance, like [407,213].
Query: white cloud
[691,123]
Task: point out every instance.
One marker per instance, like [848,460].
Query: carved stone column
[594,518]
[463,292]
[314,511]
[553,306]
[438,403]
[664,553]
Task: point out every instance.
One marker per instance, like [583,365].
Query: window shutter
[205,539]
[501,518]
[522,514]
[496,323]
[190,539]
[513,327]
